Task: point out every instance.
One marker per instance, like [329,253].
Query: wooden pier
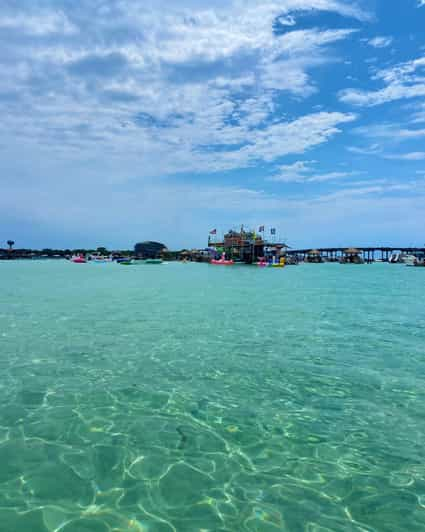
[369,254]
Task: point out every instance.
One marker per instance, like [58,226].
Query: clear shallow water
[192,397]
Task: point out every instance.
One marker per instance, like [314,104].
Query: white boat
[409,260]
[99,260]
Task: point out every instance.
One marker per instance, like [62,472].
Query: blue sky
[124,121]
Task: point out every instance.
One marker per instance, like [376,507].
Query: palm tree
[10,243]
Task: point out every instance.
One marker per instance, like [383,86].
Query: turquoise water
[198,398]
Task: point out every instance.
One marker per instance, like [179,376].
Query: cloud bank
[171,88]
[154,118]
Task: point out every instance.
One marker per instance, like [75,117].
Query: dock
[368,254]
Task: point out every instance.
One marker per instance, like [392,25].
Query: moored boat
[136,262]
[100,260]
[153,261]
[223,261]
[408,259]
[79,259]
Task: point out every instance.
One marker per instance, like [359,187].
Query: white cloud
[392,132]
[421,3]
[110,100]
[98,93]
[302,172]
[297,136]
[371,188]
[186,88]
[401,82]
[418,116]
[295,53]
[286,20]
[389,135]
[330,176]
[412,156]
[51,22]
[374,149]
[380,42]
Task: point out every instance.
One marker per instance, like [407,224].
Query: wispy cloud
[380,42]
[303,172]
[412,156]
[40,24]
[388,131]
[374,149]
[298,52]
[418,116]
[401,82]
[381,188]
[387,137]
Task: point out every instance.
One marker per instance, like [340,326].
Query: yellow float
[279,264]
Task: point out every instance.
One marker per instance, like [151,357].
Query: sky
[124,121]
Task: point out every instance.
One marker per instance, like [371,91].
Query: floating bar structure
[246,246]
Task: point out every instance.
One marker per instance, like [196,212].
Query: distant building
[149,250]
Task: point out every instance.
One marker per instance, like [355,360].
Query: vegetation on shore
[52,253]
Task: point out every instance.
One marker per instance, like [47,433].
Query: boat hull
[222,262]
[140,262]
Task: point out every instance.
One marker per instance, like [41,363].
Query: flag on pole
[272,231]
[213,232]
[261,229]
